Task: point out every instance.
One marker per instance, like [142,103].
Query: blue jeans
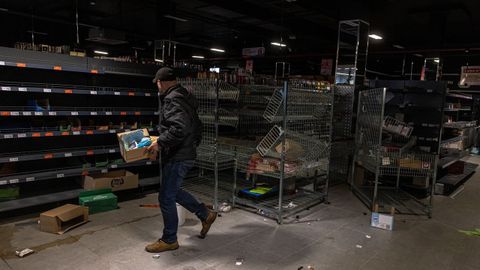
[171,193]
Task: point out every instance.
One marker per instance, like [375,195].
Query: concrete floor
[337,240]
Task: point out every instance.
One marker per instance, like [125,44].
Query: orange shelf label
[49,134]
[137,113]
[21,65]
[5,113]
[36,135]
[89,152]
[68,91]
[48,156]
[57,68]
[131,94]
[94,71]
[123,113]
[65,133]
[89,132]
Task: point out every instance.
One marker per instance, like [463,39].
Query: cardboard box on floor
[116,180]
[134,154]
[63,218]
[100,200]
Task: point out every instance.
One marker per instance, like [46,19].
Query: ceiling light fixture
[375,36]
[436,60]
[100,52]
[198,57]
[175,18]
[159,60]
[217,50]
[278,44]
[400,47]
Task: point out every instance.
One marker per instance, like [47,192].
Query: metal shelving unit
[23,87]
[293,156]
[212,159]
[84,106]
[389,158]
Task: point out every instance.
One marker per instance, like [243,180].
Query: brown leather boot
[161,246]
[207,223]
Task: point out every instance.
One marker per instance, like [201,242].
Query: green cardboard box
[9,193]
[100,200]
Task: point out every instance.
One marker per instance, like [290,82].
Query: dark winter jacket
[180,126]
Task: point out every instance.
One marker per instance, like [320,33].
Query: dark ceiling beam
[295,25]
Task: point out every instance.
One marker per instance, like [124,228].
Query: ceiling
[308,27]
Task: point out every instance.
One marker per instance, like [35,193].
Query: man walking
[180,133]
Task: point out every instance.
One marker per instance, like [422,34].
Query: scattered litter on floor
[24,252]
[156,256]
[224,207]
[310,267]
[359,246]
[264,219]
[239,261]
[475,232]
[300,268]
[149,205]
[309,223]
[368,236]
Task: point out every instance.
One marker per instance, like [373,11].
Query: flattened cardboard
[116,180]
[63,218]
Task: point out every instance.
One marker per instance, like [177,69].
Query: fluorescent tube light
[436,60]
[198,56]
[217,50]
[175,18]
[159,60]
[375,36]
[398,46]
[101,52]
[278,44]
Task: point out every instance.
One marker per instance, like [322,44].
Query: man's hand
[153,151]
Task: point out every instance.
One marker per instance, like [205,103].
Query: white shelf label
[2,63]
[111,151]
[93,113]
[3,182]
[47,90]
[6,88]
[38,113]
[76,133]
[93,92]
[13,181]
[13,159]
[149,163]
[15,113]
[68,154]
[116,93]
[60,175]
[147,94]
[30,179]
[52,113]
[114,166]
[104,170]
[22,89]
[108,113]
[74,113]
[21,135]
[27,113]
[112,131]
[8,136]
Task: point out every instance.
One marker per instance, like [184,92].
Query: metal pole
[174,53]
[215,192]
[377,163]
[411,70]
[282,156]
[160,118]
[235,168]
[329,143]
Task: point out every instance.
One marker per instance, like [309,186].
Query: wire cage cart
[342,134]
[385,149]
[287,171]
[212,158]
